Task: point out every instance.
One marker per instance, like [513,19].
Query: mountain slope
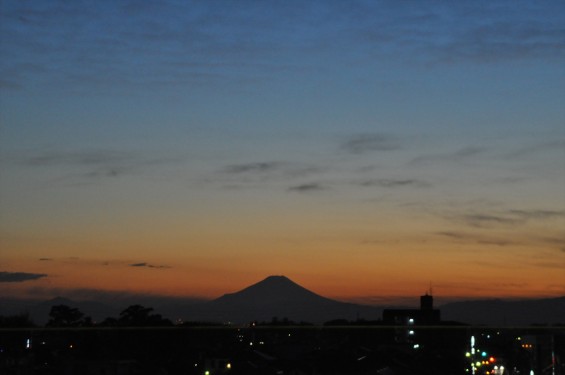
[278,296]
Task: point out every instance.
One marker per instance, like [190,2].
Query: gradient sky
[365,149]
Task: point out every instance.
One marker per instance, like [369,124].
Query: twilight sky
[365,149]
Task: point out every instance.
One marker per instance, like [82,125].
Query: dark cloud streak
[365,143]
[91,165]
[306,188]
[144,264]
[260,167]
[394,183]
[17,277]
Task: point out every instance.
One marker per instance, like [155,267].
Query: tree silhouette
[65,316]
[140,316]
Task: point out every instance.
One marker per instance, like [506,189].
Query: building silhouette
[425,315]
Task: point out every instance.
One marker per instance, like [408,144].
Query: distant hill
[506,313]
[39,310]
[280,297]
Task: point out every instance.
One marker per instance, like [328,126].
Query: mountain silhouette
[279,297]
[272,290]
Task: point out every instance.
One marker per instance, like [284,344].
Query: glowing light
[228,366]
[467,354]
[491,359]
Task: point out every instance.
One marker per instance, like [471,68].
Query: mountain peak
[274,277]
[274,288]
[277,279]
[277,295]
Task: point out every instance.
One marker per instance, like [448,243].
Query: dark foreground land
[284,350]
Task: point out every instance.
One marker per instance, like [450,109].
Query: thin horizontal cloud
[394,183]
[306,188]
[90,165]
[538,148]
[451,157]
[18,277]
[144,264]
[506,217]
[486,220]
[45,259]
[263,173]
[365,143]
[51,158]
[538,214]
[260,167]
[555,242]
[271,169]
[474,238]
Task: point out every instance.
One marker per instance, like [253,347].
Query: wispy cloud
[95,158]
[365,143]
[394,183]
[480,220]
[509,217]
[259,167]
[538,214]
[271,169]
[262,173]
[556,145]
[91,165]
[18,277]
[306,188]
[460,155]
[475,238]
[144,264]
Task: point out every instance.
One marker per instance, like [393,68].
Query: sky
[368,150]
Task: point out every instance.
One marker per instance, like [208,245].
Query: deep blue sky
[341,143]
